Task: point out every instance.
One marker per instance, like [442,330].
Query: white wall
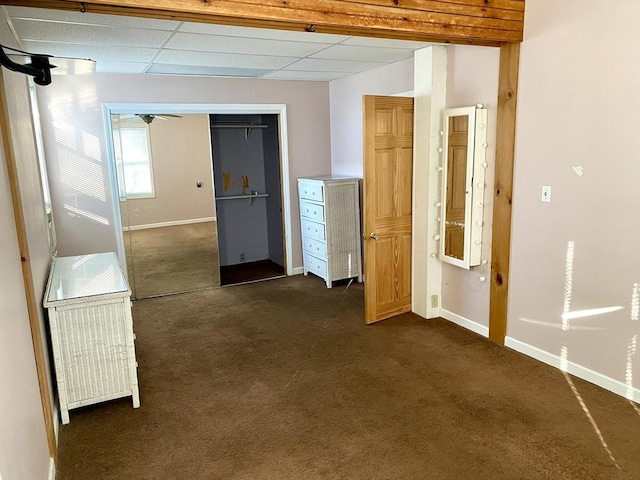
[181,157]
[578,106]
[346,111]
[23,442]
[24,451]
[472,78]
[75,141]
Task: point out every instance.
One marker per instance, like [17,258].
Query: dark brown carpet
[282,380]
[249,272]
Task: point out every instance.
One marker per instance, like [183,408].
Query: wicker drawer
[315,265]
[310,191]
[312,211]
[91,331]
[312,229]
[315,247]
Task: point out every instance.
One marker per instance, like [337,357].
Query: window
[135,159]
[44,181]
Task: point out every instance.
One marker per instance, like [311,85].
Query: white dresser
[330,223]
[91,331]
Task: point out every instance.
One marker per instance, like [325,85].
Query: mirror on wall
[463,185]
[165,182]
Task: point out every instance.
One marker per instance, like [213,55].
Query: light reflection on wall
[91,146]
[567,317]
[80,176]
[76,212]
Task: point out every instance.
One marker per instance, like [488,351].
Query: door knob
[373,236]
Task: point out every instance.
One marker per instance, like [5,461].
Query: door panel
[388,167]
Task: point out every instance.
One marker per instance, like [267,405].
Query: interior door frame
[279,109]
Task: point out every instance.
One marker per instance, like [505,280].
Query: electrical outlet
[434,301]
[242,257]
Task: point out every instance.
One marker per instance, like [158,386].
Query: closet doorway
[247,180]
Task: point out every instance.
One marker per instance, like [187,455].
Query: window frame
[137,126]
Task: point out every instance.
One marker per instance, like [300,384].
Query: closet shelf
[250,197]
[248,127]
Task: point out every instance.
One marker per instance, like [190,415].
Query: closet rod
[237,125]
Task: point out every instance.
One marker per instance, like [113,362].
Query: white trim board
[170,224]
[52,469]
[465,322]
[579,371]
[297,270]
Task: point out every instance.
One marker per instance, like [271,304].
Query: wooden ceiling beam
[477,22]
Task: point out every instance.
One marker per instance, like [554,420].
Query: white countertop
[85,276]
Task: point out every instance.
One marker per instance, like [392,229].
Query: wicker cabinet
[91,329]
[330,223]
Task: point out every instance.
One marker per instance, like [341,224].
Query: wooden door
[388,169]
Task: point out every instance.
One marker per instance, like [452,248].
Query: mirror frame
[475,186]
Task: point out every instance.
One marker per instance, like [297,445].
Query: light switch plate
[546,194]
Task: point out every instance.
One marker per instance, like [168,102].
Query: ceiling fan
[148,117]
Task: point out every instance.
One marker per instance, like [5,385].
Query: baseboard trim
[579,371]
[52,469]
[297,270]
[465,322]
[170,224]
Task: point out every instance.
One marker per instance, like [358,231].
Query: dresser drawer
[315,265]
[314,247]
[312,229]
[312,211]
[310,191]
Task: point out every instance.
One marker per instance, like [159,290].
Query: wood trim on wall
[503,190]
[477,22]
[33,303]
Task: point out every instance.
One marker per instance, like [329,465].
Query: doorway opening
[275,113]
[246,169]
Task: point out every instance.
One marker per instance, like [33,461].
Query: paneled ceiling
[139,45]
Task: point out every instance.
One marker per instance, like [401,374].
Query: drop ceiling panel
[88,34]
[318,64]
[199,70]
[103,66]
[363,54]
[265,33]
[179,57]
[122,44]
[90,18]
[310,76]
[385,43]
[239,45]
[94,52]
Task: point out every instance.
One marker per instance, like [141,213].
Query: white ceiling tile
[90,18]
[248,46]
[88,34]
[266,33]
[181,57]
[363,54]
[318,64]
[204,71]
[94,52]
[385,42]
[120,67]
[307,76]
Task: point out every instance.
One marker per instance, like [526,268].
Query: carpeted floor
[173,259]
[282,380]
